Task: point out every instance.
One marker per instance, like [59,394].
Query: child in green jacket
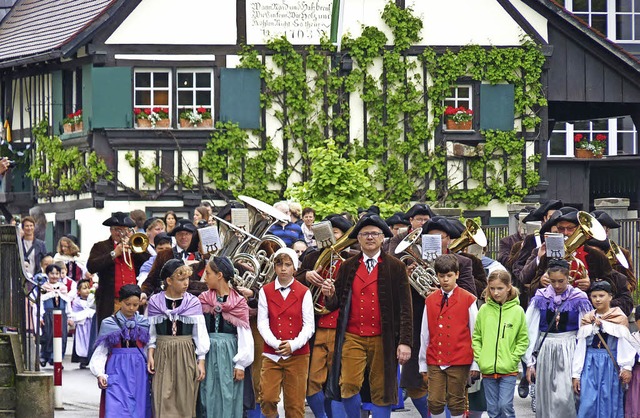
[499,341]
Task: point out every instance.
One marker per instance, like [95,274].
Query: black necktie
[371,263]
[445,300]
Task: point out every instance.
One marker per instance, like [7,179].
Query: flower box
[68,128]
[206,123]
[459,126]
[163,123]
[584,153]
[79,127]
[143,123]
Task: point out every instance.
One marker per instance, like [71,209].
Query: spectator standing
[287,231]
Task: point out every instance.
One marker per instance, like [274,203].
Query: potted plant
[69,123]
[599,145]
[584,149]
[142,117]
[193,118]
[77,120]
[159,117]
[458,118]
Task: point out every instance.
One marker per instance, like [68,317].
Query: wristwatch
[113,255]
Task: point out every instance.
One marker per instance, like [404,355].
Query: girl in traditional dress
[226,314]
[119,361]
[604,357]
[83,310]
[69,253]
[54,297]
[632,398]
[178,345]
[553,319]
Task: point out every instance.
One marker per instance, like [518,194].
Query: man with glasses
[374,330]
[418,215]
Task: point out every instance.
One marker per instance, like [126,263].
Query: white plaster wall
[190,162]
[203,22]
[126,173]
[536,20]
[364,12]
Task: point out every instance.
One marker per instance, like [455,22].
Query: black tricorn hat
[569,214]
[542,210]
[119,219]
[397,218]
[441,223]
[374,220]
[419,209]
[226,209]
[183,225]
[340,222]
[603,245]
[546,227]
[605,219]
[526,209]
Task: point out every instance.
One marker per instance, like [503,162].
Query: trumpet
[423,278]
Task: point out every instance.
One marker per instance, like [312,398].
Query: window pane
[623,5]
[582,125]
[557,144]
[143,98]
[637,6]
[143,79]
[598,5]
[449,103]
[185,98]
[463,92]
[203,79]
[626,124]
[161,79]
[599,23]
[203,98]
[636,32]
[160,98]
[601,125]
[625,143]
[623,27]
[580,5]
[185,80]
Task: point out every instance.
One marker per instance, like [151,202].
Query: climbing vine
[64,169]
[306,97]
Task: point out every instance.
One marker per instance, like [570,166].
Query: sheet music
[431,247]
[240,218]
[555,244]
[209,239]
[323,234]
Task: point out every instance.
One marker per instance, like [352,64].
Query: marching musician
[397,222]
[107,258]
[374,329]
[184,233]
[608,224]
[418,215]
[505,247]
[324,340]
[595,261]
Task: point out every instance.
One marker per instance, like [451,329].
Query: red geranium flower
[201,110]
[147,111]
[137,111]
[578,137]
[601,137]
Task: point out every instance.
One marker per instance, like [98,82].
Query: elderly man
[374,330]
[107,258]
[286,231]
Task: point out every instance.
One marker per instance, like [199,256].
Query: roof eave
[31,59]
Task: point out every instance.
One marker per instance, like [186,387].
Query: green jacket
[500,337]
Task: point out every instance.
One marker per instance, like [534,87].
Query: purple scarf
[186,313]
[117,327]
[574,300]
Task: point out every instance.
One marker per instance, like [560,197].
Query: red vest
[449,334]
[364,316]
[123,274]
[285,315]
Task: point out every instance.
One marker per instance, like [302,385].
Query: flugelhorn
[423,278]
[588,227]
[139,242]
[473,234]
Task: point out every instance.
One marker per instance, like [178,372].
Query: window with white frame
[195,89]
[619,20]
[620,133]
[152,88]
[460,96]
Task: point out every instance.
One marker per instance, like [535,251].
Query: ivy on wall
[307,94]
[152,173]
[58,169]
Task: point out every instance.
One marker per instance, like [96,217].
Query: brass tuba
[616,256]
[326,265]
[423,278]
[472,235]
[588,227]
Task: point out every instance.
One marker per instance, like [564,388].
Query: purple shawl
[186,313]
[111,332]
[573,298]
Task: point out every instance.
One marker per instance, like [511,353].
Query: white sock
[442,415]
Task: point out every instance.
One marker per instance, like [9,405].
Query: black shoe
[43,363]
[523,388]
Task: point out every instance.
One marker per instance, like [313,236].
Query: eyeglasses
[370,234]
[566,228]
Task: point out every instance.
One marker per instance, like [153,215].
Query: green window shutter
[111,97]
[75,228]
[57,102]
[497,107]
[240,97]
[20,182]
[48,236]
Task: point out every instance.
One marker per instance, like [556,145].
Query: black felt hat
[397,218]
[183,225]
[601,285]
[546,227]
[120,219]
[526,209]
[162,236]
[605,219]
[340,222]
[226,209]
[542,210]
[419,209]
[569,214]
[170,267]
[604,245]
[374,220]
[129,290]
[441,223]
[148,222]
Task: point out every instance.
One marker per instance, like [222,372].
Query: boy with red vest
[285,321]
[446,355]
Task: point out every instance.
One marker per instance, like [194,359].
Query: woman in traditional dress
[119,361]
[604,357]
[226,314]
[553,319]
[178,344]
